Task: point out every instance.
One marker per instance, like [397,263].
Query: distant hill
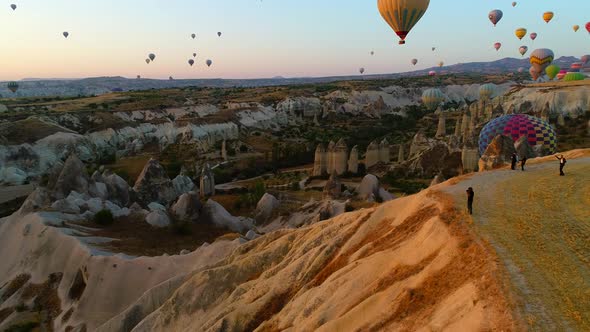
[101,85]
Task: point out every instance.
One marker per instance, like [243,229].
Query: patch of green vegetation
[407,186]
[104,218]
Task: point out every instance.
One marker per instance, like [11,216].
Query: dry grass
[15,285]
[540,224]
[27,131]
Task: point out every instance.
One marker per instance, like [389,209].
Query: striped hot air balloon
[541,58]
[540,135]
[432,98]
[487,91]
[534,73]
[12,86]
[402,15]
[523,49]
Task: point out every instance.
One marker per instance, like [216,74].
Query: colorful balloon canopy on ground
[569,77]
[539,133]
[487,91]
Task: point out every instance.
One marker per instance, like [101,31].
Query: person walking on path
[470,196]
[523,162]
[562,162]
[514,160]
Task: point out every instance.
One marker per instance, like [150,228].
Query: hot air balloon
[585,59]
[534,73]
[495,16]
[147,61]
[432,73]
[533,35]
[576,28]
[13,6]
[138,77]
[194,55]
[561,74]
[588,27]
[539,133]
[193,36]
[514,4]
[362,70]
[434,49]
[520,33]
[191,62]
[219,34]
[569,77]
[497,46]
[523,49]
[548,16]
[541,58]
[152,56]
[171,78]
[440,64]
[521,69]
[402,15]
[552,71]
[487,91]
[208,63]
[12,86]
[66,34]
[414,61]
[372,52]
[432,98]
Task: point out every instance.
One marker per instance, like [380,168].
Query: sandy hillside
[539,224]
[407,265]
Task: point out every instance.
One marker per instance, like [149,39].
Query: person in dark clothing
[523,162]
[470,196]
[562,163]
[514,160]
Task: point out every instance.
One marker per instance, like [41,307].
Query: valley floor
[539,224]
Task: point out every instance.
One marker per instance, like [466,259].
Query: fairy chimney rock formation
[207,182]
[320,166]
[340,157]
[384,152]
[372,155]
[353,161]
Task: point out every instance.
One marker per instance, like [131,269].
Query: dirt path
[9,193]
[539,224]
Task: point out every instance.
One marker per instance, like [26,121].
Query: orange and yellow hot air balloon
[402,15]
[548,16]
[576,28]
[520,33]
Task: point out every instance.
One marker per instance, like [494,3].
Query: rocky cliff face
[567,101]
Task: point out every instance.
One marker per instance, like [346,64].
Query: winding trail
[539,224]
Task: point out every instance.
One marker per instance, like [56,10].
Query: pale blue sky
[269,38]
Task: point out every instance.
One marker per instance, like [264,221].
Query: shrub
[104,218]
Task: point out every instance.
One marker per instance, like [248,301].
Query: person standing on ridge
[523,162]
[562,162]
[470,196]
[514,160]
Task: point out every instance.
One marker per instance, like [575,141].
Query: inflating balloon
[534,73]
[552,71]
[487,91]
[570,77]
